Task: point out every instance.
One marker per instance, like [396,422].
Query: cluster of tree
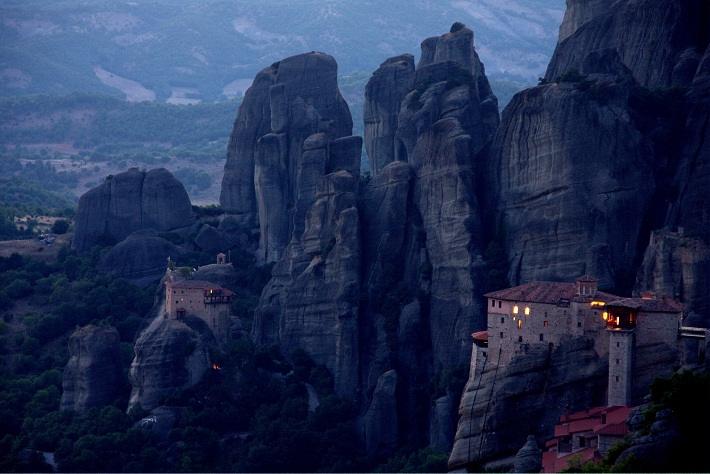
[252,415]
[112,121]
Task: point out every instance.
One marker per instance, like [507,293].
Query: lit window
[597,303]
[527,311]
[515,309]
[605,315]
[520,323]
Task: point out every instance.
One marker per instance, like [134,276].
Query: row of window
[520,338]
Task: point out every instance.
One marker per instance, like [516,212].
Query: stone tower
[621,351]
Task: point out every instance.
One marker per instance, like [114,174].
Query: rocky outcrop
[582,167]
[380,421]
[130,201]
[444,122]
[93,376]
[383,98]
[272,169]
[170,355]
[501,409]
[311,302]
[659,41]
[578,13]
[529,458]
[677,265]
[140,258]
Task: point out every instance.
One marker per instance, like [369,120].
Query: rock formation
[529,458]
[383,98]
[93,376]
[380,421]
[657,40]
[582,168]
[140,258]
[503,407]
[170,355]
[130,201]
[311,302]
[271,172]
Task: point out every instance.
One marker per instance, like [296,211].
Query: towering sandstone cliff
[598,170]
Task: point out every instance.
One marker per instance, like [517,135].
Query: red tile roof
[549,292]
[649,305]
[480,336]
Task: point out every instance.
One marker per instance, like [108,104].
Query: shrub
[60,226]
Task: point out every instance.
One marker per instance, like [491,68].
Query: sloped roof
[649,305]
[549,292]
[200,285]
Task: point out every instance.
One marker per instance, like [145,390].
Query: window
[520,324]
[545,323]
[579,324]
[501,335]
[582,442]
[617,344]
[527,311]
[542,337]
[520,338]
[502,320]
[617,378]
[500,304]
[493,303]
[617,361]
[515,309]
[545,313]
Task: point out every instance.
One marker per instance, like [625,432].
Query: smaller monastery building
[202,299]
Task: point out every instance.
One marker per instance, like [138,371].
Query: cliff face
[131,201]
[170,355]
[659,41]
[568,165]
[93,376]
[270,172]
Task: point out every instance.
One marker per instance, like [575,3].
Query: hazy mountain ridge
[189,51]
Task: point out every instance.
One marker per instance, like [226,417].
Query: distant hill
[207,50]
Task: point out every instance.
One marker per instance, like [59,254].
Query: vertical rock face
[650,36]
[93,376]
[677,261]
[579,12]
[498,412]
[131,201]
[170,355]
[383,97]
[271,172]
[380,422]
[447,119]
[568,165]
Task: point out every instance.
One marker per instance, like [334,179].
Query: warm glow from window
[618,321]
[527,311]
[520,323]
[515,309]
[597,303]
[605,315]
